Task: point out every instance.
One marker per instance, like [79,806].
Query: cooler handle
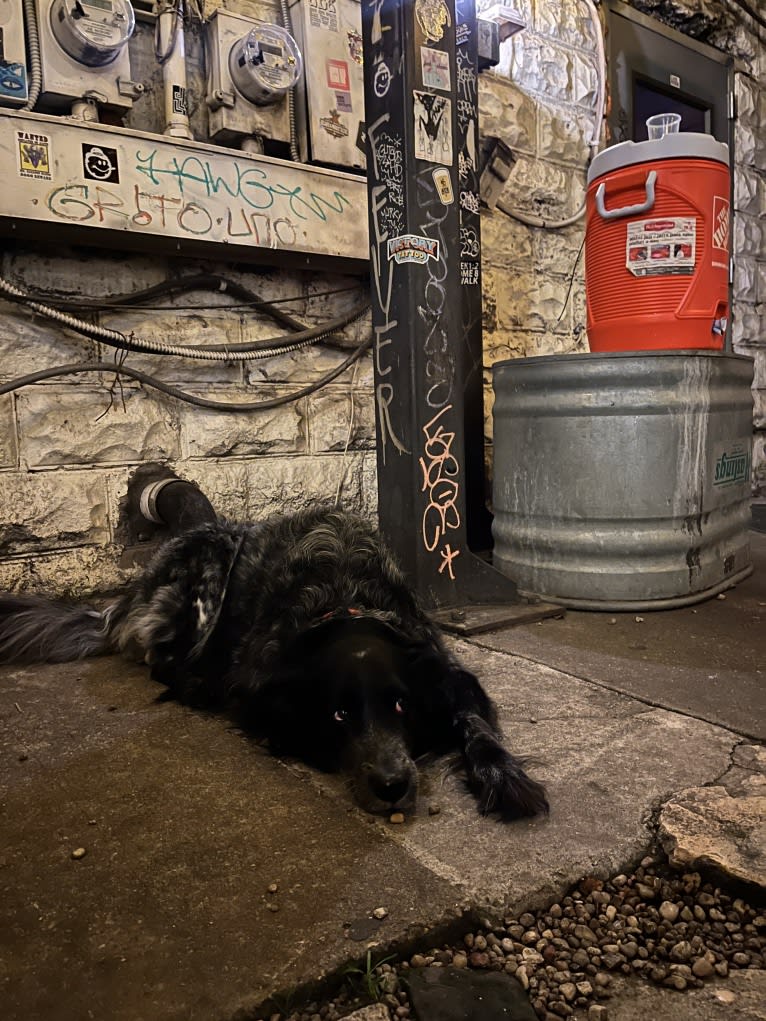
[641,207]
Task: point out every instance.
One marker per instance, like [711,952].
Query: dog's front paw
[501,784]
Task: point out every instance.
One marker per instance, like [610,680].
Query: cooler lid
[683,145]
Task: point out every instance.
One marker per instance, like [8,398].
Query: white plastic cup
[661,124]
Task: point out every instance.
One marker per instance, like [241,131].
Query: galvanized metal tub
[622,481]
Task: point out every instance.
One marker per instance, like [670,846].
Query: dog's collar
[345,613]
[349,611]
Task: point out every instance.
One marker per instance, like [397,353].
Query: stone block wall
[68,446]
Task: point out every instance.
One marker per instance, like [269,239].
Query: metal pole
[420,103]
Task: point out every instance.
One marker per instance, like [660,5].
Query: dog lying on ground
[304,626]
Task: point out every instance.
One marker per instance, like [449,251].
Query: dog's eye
[340,716]
[400,706]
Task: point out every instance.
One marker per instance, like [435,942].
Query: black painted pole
[419,101]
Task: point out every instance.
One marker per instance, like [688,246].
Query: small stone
[646,892]
[527,920]
[584,988]
[78,853]
[741,960]
[459,960]
[602,979]
[598,1012]
[676,982]
[380,913]
[396,818]
[418,961]
[521,975]
[479,959]
[702,968]
[434,809]
[560,1008]
[272,906]
[272,888]
[669,911]
[584,934]
[480,943]
[681,951]
[568,990]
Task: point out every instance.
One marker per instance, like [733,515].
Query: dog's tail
[38,630]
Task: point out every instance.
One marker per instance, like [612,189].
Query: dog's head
[351,709]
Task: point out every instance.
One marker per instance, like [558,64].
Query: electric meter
[92,32]
[265,64]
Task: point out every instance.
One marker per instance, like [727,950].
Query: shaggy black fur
[305,625]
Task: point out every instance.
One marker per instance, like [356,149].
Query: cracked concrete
[214,875]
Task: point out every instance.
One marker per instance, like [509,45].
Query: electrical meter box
[253,64]
[84,52]
[330,99]
[14,86]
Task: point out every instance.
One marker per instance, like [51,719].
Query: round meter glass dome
[92,32]
[265,64]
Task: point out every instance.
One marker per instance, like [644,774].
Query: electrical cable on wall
[530,219]
[196,282]
[248,351]
[182,395]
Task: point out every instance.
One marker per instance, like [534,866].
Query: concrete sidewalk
[214,875]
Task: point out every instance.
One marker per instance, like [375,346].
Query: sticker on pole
[433,127]
[413,248]
[662,247]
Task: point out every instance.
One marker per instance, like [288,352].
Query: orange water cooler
[657,245]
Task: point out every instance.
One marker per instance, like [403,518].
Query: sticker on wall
[343,102]
[435,67]
[433,127]
[337,75]
[361,138]
[413,248]
[325,17]
[355,48]
[33,152]
[333,125]
[99,163]
[462,33]
[433,17]
[180,100]
[661,247]
[721,221]
[443,186]
[13,79]
[381,80]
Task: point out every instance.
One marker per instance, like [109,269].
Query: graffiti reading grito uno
[189,197]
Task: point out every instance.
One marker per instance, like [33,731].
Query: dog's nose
[390,789]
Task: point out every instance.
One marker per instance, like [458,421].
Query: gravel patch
[673,929]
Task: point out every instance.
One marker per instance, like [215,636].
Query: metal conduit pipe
[170,50]
[173,502]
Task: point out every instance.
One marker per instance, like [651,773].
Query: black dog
[307,627]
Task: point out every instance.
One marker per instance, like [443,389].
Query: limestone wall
[69,445]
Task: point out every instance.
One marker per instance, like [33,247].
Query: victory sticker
[413,248]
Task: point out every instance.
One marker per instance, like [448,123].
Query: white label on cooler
[662,246]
